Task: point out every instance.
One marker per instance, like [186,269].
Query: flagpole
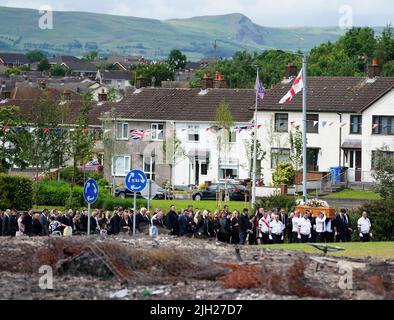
[255,146]
[304,136]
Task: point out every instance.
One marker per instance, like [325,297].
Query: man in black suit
[284,219]
[115,222]
[68,219]
[44,222]
[6,224]
[341,226]
[27,221]
[245,226]
[171,221]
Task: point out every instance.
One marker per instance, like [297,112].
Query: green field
[354,194]
[381,250]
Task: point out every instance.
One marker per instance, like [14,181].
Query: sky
[264,12]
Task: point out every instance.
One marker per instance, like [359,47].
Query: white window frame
[122,137]
[127,165]
[155,129]
[193,129]
[152,163]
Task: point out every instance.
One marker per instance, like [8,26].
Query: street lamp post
[254,169]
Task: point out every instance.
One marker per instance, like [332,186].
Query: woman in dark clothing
[36,226]
[225,228]
[216,223]
[234,226]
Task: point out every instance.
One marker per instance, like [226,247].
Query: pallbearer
[364,227]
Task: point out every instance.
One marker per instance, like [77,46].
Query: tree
[173,151]
[385,45]
[44,65]
[12,147]
[92,55]
[388,69]
[260,155]
[383,165]
[156,73]
[57,71]
[296,146]
[176,59]
[12,71]
[35,56]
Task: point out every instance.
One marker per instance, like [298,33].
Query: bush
[284,174]
[57,193]
[277,202]
[381,214]
[15,192]
[111,203]
[67,173]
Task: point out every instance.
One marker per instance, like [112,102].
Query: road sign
[90,191]
[150,192]
[136,181]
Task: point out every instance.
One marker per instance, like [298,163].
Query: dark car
[161,194]
[236,192]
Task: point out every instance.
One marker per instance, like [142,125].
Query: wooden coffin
[329,212]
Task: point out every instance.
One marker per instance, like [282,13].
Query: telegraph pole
[255,146]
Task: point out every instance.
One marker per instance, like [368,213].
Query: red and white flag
[297,86]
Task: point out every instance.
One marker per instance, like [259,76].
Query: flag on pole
[297,87]
[260,88]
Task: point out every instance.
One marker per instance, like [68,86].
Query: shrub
[111,203]
[381,214]
[67,173]
[15,192]
[56,193]
[284,174]
[278,202]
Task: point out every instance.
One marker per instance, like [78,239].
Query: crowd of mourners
[260,227]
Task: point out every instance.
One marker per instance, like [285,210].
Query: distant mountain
[78,32]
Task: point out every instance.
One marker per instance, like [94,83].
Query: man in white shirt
[364,227]
[264,229]
[276,230]
[304,229]
[294,221]
[320,227]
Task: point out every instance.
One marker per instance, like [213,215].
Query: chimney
[141,82]
[219,82]
[102,96]
[374,69]
[290,70]
[207,81]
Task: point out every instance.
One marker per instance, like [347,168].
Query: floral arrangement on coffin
[315,203]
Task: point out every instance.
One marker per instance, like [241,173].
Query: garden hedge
[15,192]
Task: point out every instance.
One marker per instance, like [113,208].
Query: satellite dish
[150,192]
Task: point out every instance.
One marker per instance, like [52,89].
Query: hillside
[78,32]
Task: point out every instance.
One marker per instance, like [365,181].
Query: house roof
[184,104]
[331,94]
[74,64]
[14,58]
[115,75]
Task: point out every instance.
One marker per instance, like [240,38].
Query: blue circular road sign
[136,181]
[90,191]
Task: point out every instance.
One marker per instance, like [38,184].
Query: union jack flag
[137,134]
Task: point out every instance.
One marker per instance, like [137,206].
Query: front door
[358,166]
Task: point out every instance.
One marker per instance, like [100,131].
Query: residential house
[76,66]
[114,79]
[204,152]
[349,119]
[13,60]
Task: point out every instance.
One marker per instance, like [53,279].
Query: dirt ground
[187,269]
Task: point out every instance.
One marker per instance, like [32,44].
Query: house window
[279,156]
[228,169]
[313,159]
[121,166]
[380,154]
[312,123]
[383,125]
[281,122]
[157,131]
[356,123]
[204,169]
[122,131]
[150,167]
[194,133]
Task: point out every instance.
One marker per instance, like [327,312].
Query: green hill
[78,32]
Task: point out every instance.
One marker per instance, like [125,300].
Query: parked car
[236,192]
[161,194]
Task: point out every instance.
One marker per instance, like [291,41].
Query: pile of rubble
[172,268]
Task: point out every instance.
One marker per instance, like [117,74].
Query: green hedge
[57,194]
[381,214]
[15,192]
[277,202]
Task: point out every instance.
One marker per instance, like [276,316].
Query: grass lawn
[202,205]
[354,194]
[381,250]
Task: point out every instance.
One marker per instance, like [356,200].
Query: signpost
[135,182]
[150,192]
[90,193]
